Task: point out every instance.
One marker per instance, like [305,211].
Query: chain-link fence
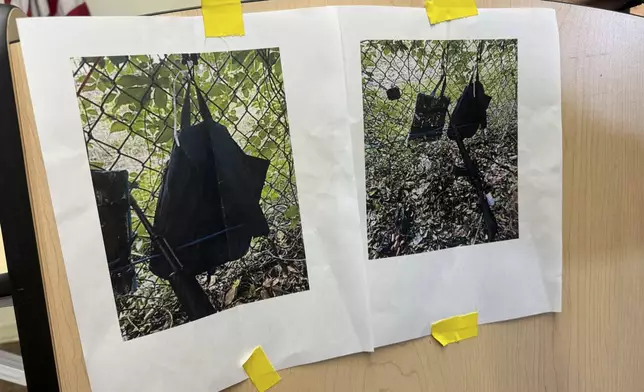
[130,108]
[415,202]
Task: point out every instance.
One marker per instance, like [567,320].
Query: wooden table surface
[593,345]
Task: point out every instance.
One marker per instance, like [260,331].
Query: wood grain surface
[593,345]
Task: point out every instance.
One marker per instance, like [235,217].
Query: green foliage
[129,106]
[137,94]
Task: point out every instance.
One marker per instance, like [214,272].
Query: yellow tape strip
[260,370]
[456,328]
[443,10]
[222,17]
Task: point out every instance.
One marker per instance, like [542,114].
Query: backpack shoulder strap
[186,110]
[203,107]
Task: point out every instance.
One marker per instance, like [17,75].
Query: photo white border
[501,280]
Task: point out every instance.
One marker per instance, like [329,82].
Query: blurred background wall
[139,7]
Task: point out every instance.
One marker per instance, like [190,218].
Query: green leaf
[241,56]
[141,60]
[136,92]
[102,85]
[118,127]
[277,68]
[128,117]
[141,231]
[292,212]
[270,145]
[274,58]
[236,283]
[164,73]
[117,60]
[123,99]
[164,82]
[166,135]
[133,80]
[255,141]
[232,116]
[160,98]
[110,97]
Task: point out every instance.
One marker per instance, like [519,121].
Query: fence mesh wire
[130,108]
[414,201]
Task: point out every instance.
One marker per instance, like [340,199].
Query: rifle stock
[474,176]
[164,246]
[190,294]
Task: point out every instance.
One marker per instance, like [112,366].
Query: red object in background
[51,7]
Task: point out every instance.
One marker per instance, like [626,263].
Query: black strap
[203,107]
[442,79]
[444,74]
[479,53]
[444,84]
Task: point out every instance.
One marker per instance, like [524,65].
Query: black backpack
[470,112]
[208,209]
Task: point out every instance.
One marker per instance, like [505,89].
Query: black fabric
[429,114]
[470,112]
[16,219]
[208,208]
[111,190]
[393,93]
[5,285]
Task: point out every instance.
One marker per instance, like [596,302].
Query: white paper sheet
[329,320]
[500,280]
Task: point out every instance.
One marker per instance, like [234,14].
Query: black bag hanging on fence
[470,112]
[429,114]
[393,93]
[208,208]
[111,190]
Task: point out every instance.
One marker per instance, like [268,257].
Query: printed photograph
[440,140]
[193,176]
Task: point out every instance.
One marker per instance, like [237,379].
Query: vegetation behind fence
[415,179]
[129,108]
